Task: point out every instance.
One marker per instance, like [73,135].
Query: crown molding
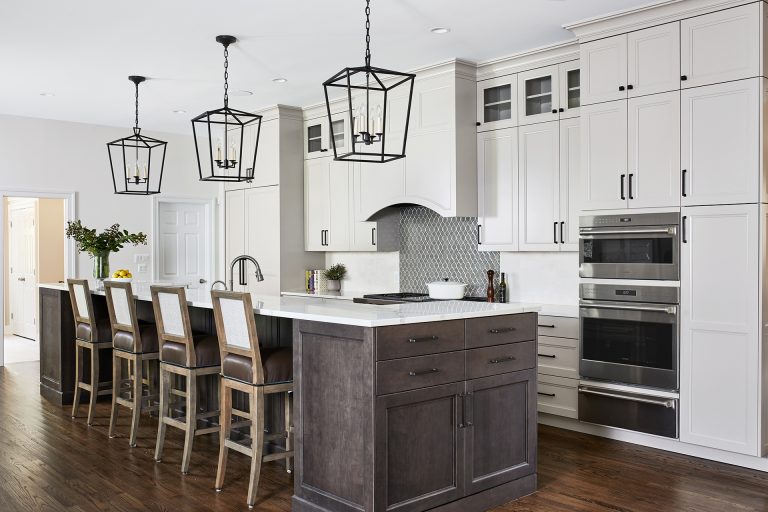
[654,13]
[555,53]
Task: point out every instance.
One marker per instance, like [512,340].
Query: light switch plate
[142,267]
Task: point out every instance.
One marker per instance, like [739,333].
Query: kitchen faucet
[241,260]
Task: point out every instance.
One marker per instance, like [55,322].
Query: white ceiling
[83,50]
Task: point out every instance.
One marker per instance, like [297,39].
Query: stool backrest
[82,303]
[236,328]
[172,318]
[122,311]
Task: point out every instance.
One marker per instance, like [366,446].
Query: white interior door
[184,237]
[23,274]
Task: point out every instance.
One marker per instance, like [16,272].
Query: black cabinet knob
[621,87]
[478,123]
[562,109]
[684,78]
[630,87]
[554,111]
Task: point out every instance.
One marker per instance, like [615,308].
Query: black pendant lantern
[137,161]
[379,103]
[226,139]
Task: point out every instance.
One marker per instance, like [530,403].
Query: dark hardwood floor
[53,463]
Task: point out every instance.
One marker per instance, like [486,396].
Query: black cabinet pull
[324,150]
[546,394]
[630,187]
[501,360]
[421,340]
[562,227]
[373,236]
[554,111]
[630,87]
[548,326]
[562,109]
[322,237]
[478,123]
[684,78]
[478,234]
[502,330]
[554,232]
[623,177]
[685,239]
[418,373]
[551,356]
[682,185]
[621,87]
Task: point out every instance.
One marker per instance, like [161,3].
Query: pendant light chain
[226,75]
[367,33]
[137,105]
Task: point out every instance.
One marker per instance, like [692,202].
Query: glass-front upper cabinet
[317,136]
[570,89]
[497,103]
[539,95]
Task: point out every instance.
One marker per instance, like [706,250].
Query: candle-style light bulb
[218,149]
[377,122]
[232,152]
[136,170]
[144,172]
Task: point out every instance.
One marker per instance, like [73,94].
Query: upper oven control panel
[629,219]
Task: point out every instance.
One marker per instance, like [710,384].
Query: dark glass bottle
[503,289]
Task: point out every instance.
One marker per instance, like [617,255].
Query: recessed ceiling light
[279,80]
[440,30]
[179,111]
[47,94]
[241,93]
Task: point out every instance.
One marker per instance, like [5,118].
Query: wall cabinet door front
[720,342]
[419,449]
[539,187]
[570,89]
[653,60]
[538,95]
[500,418]
[721,46]
[262,238]
[497,103]
[654,151]
[317,207]
[497,171]
[604,70]
[604,155]
[316,138]
[721,143]
[570,186]
[235,222]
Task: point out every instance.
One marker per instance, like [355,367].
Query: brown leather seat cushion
[103,331]
[206,351]
[148,332]
[277,363]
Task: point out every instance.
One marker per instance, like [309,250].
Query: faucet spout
[241,260]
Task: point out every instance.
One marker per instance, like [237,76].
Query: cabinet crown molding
[529,59]
[655,13]
[280,111]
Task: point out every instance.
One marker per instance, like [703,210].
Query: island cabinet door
[419,449]
[500,433]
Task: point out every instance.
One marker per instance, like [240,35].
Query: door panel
[337,238]
[497,162]
[184,243]
[497,103]
[317,197]
[604,70]
[604,155]
[262,239]
[539,187]
[570,89]
[654,60]
[22,243]
[538,95]
[235,229]
[570,185]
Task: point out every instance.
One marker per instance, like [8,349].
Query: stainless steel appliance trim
[670,310]
[628,292]
[668,403]
[630,219]
[671,230]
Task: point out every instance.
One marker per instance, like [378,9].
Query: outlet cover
[142,267]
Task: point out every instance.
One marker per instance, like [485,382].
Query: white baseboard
[662,443]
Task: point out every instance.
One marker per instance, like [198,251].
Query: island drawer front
[419,339]
[484,362]
[559,356]
[559,327]
[419,372]
[499,330]
[558,396]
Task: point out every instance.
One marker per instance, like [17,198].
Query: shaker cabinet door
[604,156]
[604,70]
[497,103]
[653,60]
[317,203]
[570,185]
[538,95]
[497,174]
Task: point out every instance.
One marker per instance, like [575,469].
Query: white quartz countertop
[347,312]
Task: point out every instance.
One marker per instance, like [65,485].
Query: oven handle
[669,404]
[670,310]
[648,231]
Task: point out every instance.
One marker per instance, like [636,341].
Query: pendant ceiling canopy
[226,139]
[137,161]
[377,102]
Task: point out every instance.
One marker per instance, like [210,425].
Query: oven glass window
[628,250]
[628,342]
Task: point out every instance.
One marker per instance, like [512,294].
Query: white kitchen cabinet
[603,70]
[235,222]
[653,173]
[720,378]
[570,187]
[604,155]
[539,199]
[721,46]
[538,95]
[653,60]
[326,190]
[497,103]
[261,238]
[720,143]
[318,141]
[497,169]
[570,89]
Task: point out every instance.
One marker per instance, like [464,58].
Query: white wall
[57,156]
[368,272]
[546,277]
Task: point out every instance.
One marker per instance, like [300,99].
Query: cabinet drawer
[559,327]
[498,330]
[419,372]
[559,356]
[558,396]
[483,362]
[418,339]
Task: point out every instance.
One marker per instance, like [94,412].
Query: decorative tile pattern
[435,247]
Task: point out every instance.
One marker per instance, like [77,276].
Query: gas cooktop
[403,297]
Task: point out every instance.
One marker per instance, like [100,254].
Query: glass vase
[101,267]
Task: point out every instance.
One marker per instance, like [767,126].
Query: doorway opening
[34,252]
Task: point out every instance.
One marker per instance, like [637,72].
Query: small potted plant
[99,246]
[334,275]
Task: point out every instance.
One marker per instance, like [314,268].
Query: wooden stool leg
[189,436]
[257,442]
[165,395]
[225,422]
[289,430]
[117,375]
[94,382]
[78,377]
[138,386]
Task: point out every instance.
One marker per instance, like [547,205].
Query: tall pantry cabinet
[264,219]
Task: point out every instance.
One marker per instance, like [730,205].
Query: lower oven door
[631,411]
[629,343]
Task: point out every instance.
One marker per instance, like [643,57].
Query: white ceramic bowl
[120,279]
[447,290]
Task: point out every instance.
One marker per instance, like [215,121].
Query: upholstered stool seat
[103,331]
[206,352]
[277,364]
[126,341]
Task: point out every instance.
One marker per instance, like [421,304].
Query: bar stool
[92,333]
[135,343]
[257,372]
[185,354]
